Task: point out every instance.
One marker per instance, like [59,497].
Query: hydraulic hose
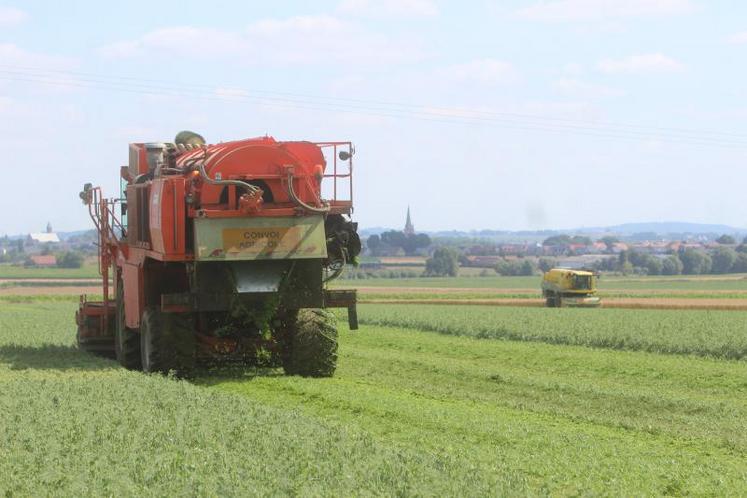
[336,272]
[248,186]
[201,167]
[299,202]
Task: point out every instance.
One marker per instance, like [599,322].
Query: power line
[446,110]
[288,100]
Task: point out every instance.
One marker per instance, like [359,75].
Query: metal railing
[346,148]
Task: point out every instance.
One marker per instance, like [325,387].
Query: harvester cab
[566,287]
[222,253]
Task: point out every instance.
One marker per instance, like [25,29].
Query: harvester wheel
[167,343]
[309,343]
[126,341]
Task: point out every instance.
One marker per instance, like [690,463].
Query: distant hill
[664,228]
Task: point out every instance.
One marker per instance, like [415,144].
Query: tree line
[688,261]
[394,240]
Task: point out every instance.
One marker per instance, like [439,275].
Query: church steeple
[409,227]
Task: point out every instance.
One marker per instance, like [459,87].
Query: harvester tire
[126,340]
[310,343]
[167,343]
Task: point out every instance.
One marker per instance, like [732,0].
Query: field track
[368,296]
[498,291]
[50,290]
[620,303]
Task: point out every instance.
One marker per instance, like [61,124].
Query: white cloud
[299,40]
[229,93]
[10,16]
[467,114]
[557,11]
[12,55]
[486,71]
[579,88]
[33,69]
[179,41]
[573,69]
[5,104]
[738,38]
[304,24]
[389,8]
[639,64]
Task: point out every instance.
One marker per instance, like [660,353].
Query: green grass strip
[703,333]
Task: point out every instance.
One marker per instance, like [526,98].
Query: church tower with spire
[409,227]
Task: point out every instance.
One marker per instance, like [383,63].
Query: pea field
[428,400]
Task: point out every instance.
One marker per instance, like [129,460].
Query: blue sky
[487,114]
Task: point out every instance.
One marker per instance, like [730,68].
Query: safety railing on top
[342,152]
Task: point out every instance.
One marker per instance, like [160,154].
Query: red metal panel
[134,295]
[167,215]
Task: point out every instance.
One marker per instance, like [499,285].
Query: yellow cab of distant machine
[566,287]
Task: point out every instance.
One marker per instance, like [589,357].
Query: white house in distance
[44,237]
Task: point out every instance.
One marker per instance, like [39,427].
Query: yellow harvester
[564,287]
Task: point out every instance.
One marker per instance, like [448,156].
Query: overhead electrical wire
[389,104]
[287,100]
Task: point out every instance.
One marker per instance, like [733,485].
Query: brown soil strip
[48,291]
[625,303]
[488,290]
[691,278]
[92,281]
[629,303]
[441,290]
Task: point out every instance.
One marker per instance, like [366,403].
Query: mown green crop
[705,333]
[556,420]
[75,425]
[408,413]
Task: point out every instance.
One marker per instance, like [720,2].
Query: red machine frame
[122,256]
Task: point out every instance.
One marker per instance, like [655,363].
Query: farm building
[46,237]
[43,261]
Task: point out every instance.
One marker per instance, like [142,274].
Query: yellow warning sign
[261,241]
[260,238]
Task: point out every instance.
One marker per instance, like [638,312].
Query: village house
[43,260]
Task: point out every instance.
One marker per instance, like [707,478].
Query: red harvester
[221,253]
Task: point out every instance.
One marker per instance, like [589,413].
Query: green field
[727,287]
[20,272]
[606,283]
[404,294]
[698,332]
[410,412]
[68,282]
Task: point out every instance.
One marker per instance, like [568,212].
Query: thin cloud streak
[562,11]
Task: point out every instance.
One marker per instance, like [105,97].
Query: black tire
[550,302]
[126,340]
[309,343]
[167,343]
